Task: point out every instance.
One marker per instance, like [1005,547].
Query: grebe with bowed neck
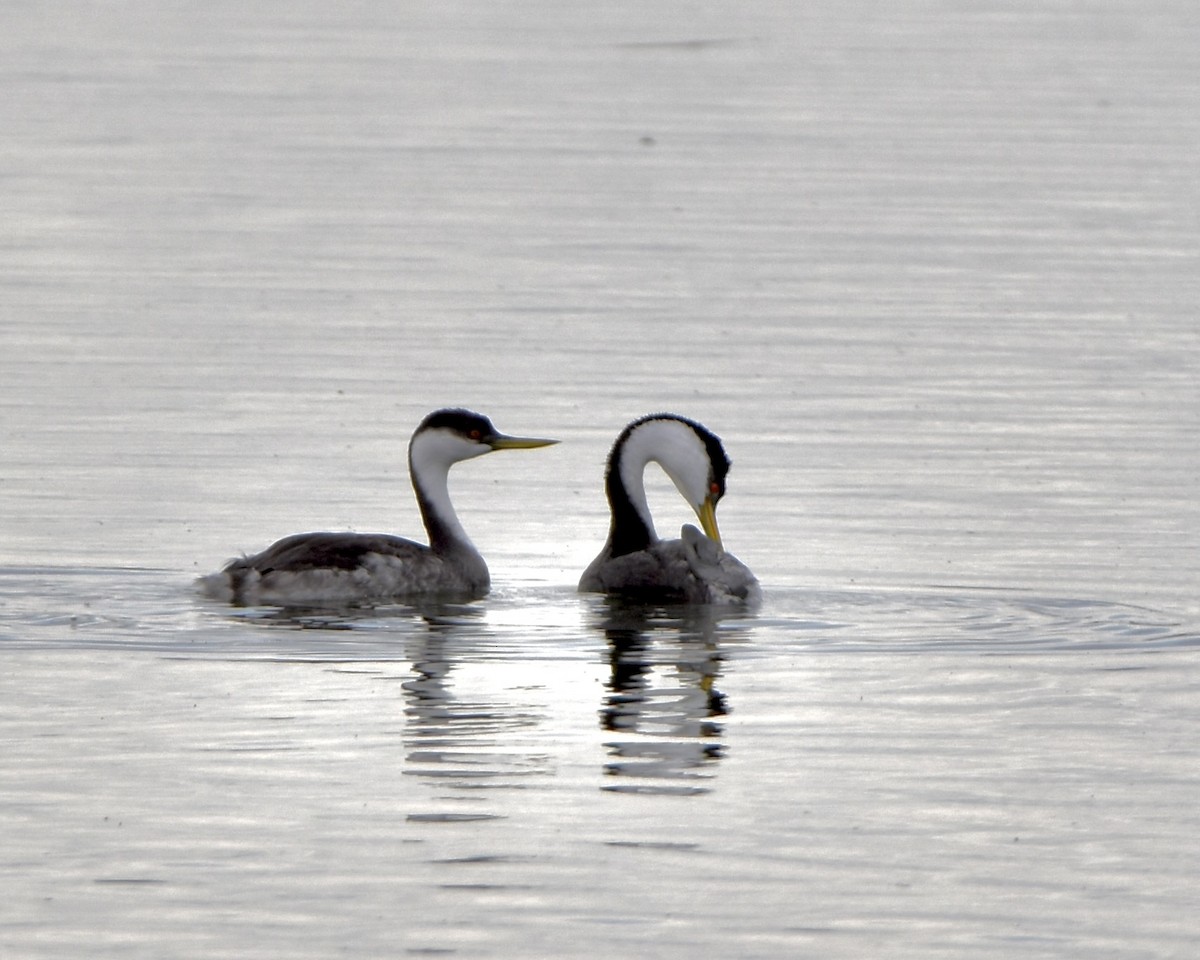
[315,569]
[634,562]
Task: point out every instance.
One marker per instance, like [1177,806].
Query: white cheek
[688,467]
[695,493]
[439,449]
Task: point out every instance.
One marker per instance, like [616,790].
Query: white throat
[430,456]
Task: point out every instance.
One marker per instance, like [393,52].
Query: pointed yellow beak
[708,519]
[502,442]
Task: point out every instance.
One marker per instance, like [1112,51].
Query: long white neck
[638,451]
[673,446]
[430,457]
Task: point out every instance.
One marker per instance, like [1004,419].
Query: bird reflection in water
[662,696]
[462,743]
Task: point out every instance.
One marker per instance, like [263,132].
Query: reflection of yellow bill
[708,519]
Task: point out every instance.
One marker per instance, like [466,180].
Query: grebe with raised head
[315,569]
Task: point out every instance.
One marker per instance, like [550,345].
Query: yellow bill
[503,442]
[707,512]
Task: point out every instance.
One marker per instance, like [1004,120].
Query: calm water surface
[930,272]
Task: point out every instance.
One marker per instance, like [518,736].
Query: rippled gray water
[929,271]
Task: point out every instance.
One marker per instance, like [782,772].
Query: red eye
[714,488]
[475,434]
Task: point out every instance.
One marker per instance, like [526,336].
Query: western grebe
[634,561]
[312,569]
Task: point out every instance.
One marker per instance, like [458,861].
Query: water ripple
[154,611]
